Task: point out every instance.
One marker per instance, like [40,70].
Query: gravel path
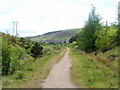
[59,76]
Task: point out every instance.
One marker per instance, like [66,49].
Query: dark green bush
[37,50]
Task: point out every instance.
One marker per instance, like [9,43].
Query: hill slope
[56,36]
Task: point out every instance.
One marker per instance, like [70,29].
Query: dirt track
[59,76]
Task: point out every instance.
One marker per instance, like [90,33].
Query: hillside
[56,36]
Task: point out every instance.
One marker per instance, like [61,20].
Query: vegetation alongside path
[26,63]
[92,73]
[34,72]
[95,63]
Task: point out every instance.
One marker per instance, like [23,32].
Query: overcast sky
[36,17]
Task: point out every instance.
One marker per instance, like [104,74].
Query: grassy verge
[33,73]
[92,73]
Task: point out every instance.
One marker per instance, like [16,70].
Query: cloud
[41,16]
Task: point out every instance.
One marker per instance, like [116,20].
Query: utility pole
[16,29]
[7,32]
[13,28]
[15,24]
[106,23]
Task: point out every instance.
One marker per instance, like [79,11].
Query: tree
[72,39]
[86,39]
[36,50]
[106,38]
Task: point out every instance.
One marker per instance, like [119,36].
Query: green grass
[38,69]
[92,74]
[113,51]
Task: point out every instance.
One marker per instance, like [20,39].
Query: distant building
[55,41]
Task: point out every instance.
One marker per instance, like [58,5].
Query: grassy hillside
[56,36]
[94,71]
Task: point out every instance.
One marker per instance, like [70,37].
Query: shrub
[57,47]
[106,38]
[21,52]
[37,50]
[47,50]
[11,56]
[73,44]
[10,62]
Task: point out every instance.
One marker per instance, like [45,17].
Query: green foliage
[25,43]
[72,39]
[86,38]
[106,38]
[22,42]
[12,54]
[56,47]
[48,50]
[37,50]
[10,58]
[51,49]
[74,44]
[94,36]
[20,51]
[31,70]
[87,73]
[19,75]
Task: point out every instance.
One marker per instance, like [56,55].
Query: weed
[7,82]
[19,75]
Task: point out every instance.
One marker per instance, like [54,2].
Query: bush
[11,56]
[10,62]
[56,47]
[106,38]
[21,52]
[37,50]
[73,44]
[48,50]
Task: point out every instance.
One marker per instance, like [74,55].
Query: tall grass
[92,73]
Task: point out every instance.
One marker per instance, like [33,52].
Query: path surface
[59,76]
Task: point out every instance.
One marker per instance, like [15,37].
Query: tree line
[95,36]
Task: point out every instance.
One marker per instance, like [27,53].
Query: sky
[36,17]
